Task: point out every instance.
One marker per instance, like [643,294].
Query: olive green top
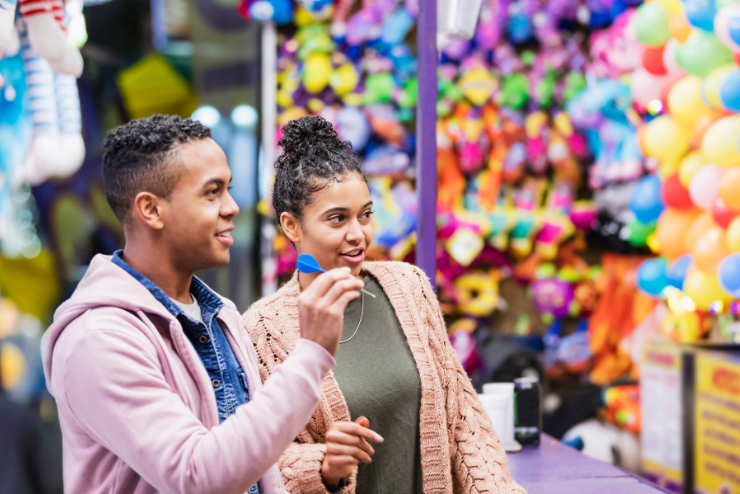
[379,379]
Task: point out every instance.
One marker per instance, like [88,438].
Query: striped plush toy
[47,34]
[57,148]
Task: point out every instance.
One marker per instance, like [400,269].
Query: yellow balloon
[711,83]
[720,142]
[316,72]
[685,102]
[733,235]
[665,139]
[667,169]
[704,289]
[672,6]
[690,165]
[344,79]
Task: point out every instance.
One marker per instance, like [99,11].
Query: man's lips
[225,236]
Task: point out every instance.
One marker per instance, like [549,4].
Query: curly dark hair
[314,158]
[139,156]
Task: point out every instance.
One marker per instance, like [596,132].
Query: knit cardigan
[460,451]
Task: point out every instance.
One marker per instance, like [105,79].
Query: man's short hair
[139,157]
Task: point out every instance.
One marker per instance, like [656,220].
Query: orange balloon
[702,224]
[729,188]
[679,28]
[710,250]
[671,230]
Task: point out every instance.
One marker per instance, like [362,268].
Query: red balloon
[675,195]
[736,56]
[722,215]
[652,60]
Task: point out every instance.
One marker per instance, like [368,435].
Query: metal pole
[426,140]
[159,24]
[267,161]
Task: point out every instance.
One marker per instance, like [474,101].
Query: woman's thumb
[363,421]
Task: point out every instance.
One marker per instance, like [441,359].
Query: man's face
[198,216]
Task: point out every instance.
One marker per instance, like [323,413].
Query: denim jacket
[227,376]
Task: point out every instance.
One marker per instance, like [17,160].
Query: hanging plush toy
[46,33]
[7,17]
[57,148]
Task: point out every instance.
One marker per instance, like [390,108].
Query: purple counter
[555,468]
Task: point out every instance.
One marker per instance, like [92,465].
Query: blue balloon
[396,27]
[677,271]
[733,28]
[646,201]
[729,275]
[700,13]
[520,27]
[729,92]
[651,276]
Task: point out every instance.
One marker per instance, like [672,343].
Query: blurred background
[587,175]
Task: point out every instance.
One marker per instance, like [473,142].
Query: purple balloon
[552,296]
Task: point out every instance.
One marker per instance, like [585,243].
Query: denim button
[203,339]
[216,383]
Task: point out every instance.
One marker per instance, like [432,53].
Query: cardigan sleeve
[477,457]
[300,463]
[300,466]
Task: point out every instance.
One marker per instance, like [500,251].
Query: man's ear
[291,227]
[148,209]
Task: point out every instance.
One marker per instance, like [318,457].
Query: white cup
[505,431]
[497,408]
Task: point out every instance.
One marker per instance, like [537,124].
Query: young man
[156,382]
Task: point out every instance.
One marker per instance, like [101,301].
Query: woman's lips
[358,257]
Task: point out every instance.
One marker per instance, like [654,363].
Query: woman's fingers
[349,440]
[353,451]
[362,422]
[339,291]
[358,430]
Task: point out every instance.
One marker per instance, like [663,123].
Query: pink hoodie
[137,409]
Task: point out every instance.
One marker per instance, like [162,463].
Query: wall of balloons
[566,130]
[691,203]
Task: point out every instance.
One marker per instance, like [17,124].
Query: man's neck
[162,273]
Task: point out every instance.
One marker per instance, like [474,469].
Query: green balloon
[639,233]
[409,93]
[718,4]
[701,53]
[575,82]
[378,88]
[652,23]
[514,91]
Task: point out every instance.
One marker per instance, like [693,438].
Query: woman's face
[337,226]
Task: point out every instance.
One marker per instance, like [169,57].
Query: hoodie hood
[104,285]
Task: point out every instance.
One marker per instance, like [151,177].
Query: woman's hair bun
[310,136]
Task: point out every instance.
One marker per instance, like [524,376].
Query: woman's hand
[346,446]
[321,307]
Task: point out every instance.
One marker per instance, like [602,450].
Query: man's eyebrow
[215,181]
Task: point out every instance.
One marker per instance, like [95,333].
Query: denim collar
[207,300]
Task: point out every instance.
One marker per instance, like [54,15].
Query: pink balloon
[722,25]
[646,87]
[669,58]
[704,185]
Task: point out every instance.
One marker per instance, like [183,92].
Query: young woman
[395,368]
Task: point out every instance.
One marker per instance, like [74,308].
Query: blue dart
[308,264]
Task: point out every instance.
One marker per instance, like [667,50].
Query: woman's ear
[291,227]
